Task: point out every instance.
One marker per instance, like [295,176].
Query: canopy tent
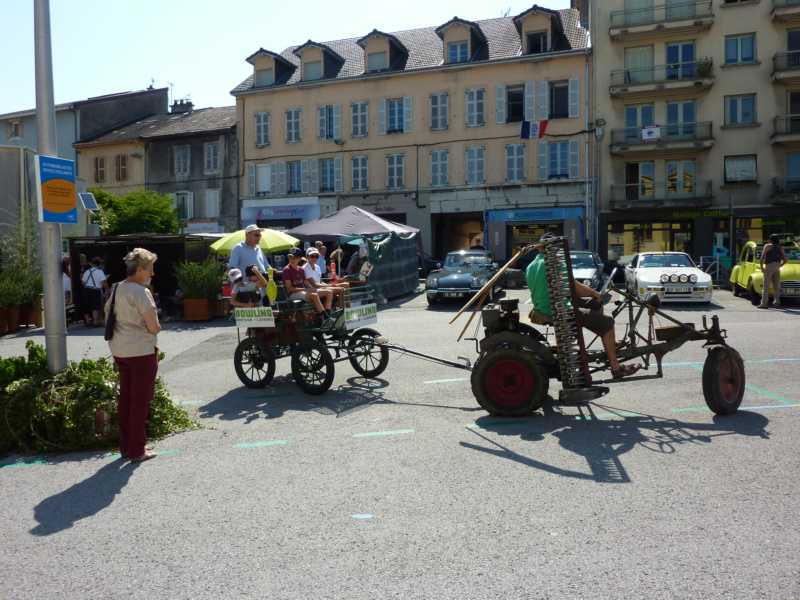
[350,221]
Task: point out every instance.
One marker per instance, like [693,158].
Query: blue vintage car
[463,275]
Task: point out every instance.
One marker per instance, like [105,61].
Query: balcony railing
[661,193]
[785,3]
[786,61]
[661,13]
[699,69]
[786,124]
[786,185]
[676,132]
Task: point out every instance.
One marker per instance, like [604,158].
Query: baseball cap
[234,275]
[296,252]
[311,251]
[250,228]
[547,236]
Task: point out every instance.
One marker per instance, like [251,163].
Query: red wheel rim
[730,380]
[509,382]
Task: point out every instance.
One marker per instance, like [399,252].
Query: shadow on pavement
[82,500]
[602,441]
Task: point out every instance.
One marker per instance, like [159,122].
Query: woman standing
[134,350]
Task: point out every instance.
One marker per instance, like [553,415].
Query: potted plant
[201,283]
[30,294]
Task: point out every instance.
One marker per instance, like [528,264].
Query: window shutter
[530,101]
[282,177]
[273,178]
[444,171]
[408,115]
[541,162]
[322,122]
[189,205]
[212,204]
[470,108]
[382,116]
[337,121]
[444,111]
[544,100]
[433,119]
[510,155]
[500,104]
[574,159]
[313,169]
[304,176]
[251,180]
[337,173]
[574,97]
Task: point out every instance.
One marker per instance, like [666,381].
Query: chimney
[182,106]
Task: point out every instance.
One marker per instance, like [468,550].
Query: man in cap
[592,319]
[248,252]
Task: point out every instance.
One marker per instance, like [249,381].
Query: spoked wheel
[254,362]
[368,358]
[723,380]
[509,381]
[312,367]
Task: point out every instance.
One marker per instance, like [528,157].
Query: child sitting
[245,293]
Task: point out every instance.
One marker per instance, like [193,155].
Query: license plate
[791,291]
[678,290]
[453,294]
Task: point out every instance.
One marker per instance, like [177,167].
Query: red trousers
[137,384]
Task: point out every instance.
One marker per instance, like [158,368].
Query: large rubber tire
[312,367]
[532,332]
[432,301]
[368,358]
[737,291]
[755,297]
[723,380]
[254,362]
[509,381]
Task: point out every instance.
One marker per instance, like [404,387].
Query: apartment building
[423,127]
[188,153]
[698,115]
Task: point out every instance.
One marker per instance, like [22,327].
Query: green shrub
[200,281]
[40,412]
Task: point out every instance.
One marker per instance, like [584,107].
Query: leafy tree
[142,211]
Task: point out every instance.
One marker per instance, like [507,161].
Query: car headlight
[674,278]
[684,278]
[432,282]
[479,282]
[587,282]
[693,278]
[664,278]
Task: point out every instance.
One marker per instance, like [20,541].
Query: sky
[197,48]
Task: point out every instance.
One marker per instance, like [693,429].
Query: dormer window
[377,62]
[536,42]
[458,52]
[265,77]
[312,70]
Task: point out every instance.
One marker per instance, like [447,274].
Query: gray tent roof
[351,220]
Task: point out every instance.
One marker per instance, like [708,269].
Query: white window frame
[211,204]
[440,106]
[359,166]
[404,104]
[462,51]
[184,200]
[395,171]
[327,167]
[440,168]
[293,125]
[536,38]
[182,157]
[515,162]
[359,122]
[476,165]
[476,107]
[738,39]
[294,177]
[211,154]
[262,129]
[573,160]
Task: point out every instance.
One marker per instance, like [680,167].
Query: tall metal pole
[50,233]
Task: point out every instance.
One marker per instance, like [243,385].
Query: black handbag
[111,320]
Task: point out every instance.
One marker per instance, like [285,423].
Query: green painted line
[30,463]
[705,408]
[769,394]
[190,402]
[721,303]
[353,389]
[446,380]
[167,451]
[374,433]
[496,424]
[606,415]
[271,396]
[258,444]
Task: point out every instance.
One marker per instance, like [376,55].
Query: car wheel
[432,300]
[737,291]
[723,380]
[755,297]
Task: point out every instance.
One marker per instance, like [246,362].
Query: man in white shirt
[93,280]
[248,252]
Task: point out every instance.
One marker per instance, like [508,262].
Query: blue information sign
[55,185]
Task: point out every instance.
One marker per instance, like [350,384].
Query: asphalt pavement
[402,487]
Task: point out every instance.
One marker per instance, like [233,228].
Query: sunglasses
[257,234]
[313,257]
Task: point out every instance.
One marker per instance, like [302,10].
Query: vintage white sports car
[672,276]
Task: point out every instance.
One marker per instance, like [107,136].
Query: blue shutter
[382,116]
[500,104]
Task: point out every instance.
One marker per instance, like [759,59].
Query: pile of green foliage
[40,412]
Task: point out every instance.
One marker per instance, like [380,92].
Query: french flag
[532,129]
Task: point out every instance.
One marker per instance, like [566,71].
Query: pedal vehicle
[291,329]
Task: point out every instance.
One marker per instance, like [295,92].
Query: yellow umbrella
[271,241]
